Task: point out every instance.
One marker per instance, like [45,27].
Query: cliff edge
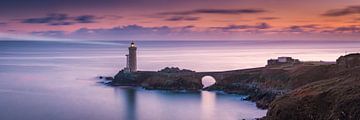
[301,91]
[334,98]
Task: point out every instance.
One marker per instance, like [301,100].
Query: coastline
[271,87]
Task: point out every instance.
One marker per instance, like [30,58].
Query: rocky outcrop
[303,91]
[166,79]
[125,79]
[175,70]
[263,85]
[349,61]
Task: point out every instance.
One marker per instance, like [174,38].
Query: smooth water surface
[57,80]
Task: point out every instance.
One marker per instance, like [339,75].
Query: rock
[168,82]
[109,78]
[304,91]
[124,79]
[166,79]
[175,70]
[106,78]
[349,61]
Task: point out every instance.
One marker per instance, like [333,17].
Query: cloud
[182,18]
[112,17]
[131,32]
[215,11]
[319,29]
[301,28]
[3,23]
[127,32]
[55,19]
[342,12]
[345,29]
[243,27]
[260,31]
[268,18]
[51,33]
[349,28]
[85,19]
[295,29]
[124,30]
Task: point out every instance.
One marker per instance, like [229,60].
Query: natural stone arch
[207,81]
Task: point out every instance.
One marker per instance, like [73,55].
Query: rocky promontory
[303,91]
[165,79]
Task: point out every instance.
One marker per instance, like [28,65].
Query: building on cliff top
[282,60]
[131,65]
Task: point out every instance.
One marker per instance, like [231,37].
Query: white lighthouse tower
[131,58]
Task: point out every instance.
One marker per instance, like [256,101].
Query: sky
[332,20]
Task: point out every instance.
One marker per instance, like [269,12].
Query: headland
[290,89]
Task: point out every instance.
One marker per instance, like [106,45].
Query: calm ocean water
[56,80]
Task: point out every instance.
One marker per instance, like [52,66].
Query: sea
[58,80]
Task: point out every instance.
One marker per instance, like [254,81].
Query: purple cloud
[301,28]
[215,11]
[131,32]
[3,23]
[342,12]
[125,30]
[56,19]
[345,29]
[182,18]
[268,18]
[137,32]
[51,33]
[85,19]
[120,32]
[243,27]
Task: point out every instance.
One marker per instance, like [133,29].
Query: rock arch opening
[208,81]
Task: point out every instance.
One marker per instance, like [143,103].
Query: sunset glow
[180,19]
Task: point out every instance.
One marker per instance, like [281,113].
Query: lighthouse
[131,58]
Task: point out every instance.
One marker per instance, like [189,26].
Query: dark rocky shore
[303,91]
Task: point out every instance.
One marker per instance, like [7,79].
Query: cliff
[307,90]
[334,98]
[263,85]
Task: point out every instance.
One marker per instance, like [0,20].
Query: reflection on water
[208,101]
[55,80]
[139,104]
[129,96]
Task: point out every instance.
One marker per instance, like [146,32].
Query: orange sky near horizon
[235,17]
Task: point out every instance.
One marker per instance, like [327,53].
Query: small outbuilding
[282,60]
